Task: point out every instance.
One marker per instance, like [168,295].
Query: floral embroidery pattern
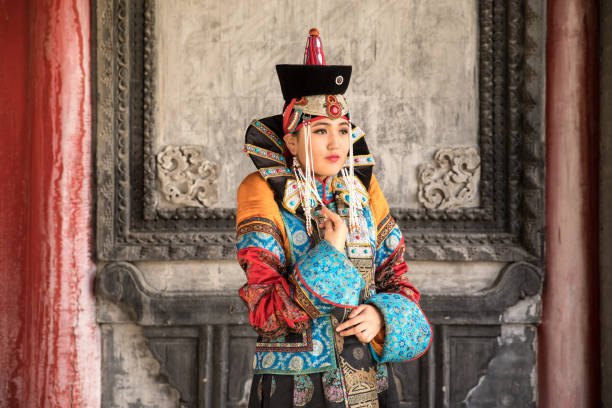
[272,312]
[281,343]
[329,277]
[382,378]
[407,331]
[332,385]
[319,357]
[302,299]
[387,246]
[384,228]
[261,240]
[302,390]
[300,242]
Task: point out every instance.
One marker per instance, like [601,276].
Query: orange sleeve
[378,203]
[378,341]
[256,199]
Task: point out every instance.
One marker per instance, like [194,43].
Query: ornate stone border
[506,227]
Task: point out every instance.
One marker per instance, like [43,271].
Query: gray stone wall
[413,90]
[605,199]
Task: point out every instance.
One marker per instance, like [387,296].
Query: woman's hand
[364,322]
[335,229]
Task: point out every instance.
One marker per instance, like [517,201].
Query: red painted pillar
[568,342]
[49,327]
[14,175]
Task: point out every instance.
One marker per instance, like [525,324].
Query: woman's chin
[328,171]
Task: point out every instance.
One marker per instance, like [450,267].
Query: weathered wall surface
[605,198]
[413,87]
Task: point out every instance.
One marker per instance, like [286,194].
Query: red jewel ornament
[334,110]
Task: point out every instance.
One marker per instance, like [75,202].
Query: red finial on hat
[314,50]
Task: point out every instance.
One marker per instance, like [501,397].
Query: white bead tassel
[306,182]
[350,180]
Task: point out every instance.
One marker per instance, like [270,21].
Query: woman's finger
[357,311]
[333,217]
[351,322]
[363,326]
[365,337]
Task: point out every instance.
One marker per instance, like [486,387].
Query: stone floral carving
[451,181]
[186,178]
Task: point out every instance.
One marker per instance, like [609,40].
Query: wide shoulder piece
[256,202]
[378,203]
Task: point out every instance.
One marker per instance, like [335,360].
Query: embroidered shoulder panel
[268,133]
[384,228]
[291,199]
[357,133]
[388,245]
[407,331]
[292,358]
[361,160]
[341,186]
[279,171]
[264,153]
[260,233]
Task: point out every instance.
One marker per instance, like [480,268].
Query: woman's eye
[321,131]
[344,131]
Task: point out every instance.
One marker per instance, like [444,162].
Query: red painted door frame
[49,340]
[568,343]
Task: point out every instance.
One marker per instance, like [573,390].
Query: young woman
[326,288]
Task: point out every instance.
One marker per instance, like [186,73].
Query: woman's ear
[291,143]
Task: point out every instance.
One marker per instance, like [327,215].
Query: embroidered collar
[265,146]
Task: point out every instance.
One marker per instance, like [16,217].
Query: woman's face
[330,145]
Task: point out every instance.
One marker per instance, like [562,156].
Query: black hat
[314,77]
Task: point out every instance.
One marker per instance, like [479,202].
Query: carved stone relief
[186,178]
[451,181]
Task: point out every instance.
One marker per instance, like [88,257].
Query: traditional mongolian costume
[299,287]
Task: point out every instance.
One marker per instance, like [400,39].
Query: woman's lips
[333,158]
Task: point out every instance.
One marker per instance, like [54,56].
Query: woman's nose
[334,139]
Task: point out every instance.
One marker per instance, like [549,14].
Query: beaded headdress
[311,91]
[314,91]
